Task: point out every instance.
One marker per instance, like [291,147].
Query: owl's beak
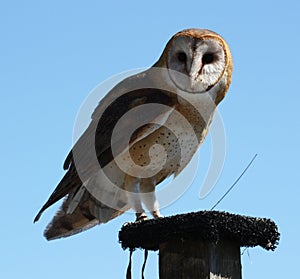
[193,82]
[194,79]
[196,69]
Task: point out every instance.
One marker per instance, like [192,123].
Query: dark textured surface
[205,225]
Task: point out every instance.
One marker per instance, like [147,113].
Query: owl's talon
[156,214]
[141,217]
[126,224]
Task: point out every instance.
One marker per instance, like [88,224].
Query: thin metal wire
[233,185]
[244,250]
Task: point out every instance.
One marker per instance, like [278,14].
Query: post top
[204,225]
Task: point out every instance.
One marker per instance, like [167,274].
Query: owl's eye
[208,58]
[181,56]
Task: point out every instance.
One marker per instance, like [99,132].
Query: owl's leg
[148,196]
[132,187]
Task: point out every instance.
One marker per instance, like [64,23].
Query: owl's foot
[141,216]
[156,214]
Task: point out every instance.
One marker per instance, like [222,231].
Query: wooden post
[180,258]
[201,245]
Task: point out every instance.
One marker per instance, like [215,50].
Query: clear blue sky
[52,54]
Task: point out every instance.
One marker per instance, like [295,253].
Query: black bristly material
[205,225]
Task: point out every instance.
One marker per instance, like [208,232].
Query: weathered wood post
[200,245]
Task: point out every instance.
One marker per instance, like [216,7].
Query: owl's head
[197,60]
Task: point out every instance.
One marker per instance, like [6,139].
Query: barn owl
[162,116]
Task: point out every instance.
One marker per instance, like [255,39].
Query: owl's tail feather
[69,183]
[88,213]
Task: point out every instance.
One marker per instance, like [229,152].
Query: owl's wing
[80,210]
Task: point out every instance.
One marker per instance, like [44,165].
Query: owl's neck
[198,109]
